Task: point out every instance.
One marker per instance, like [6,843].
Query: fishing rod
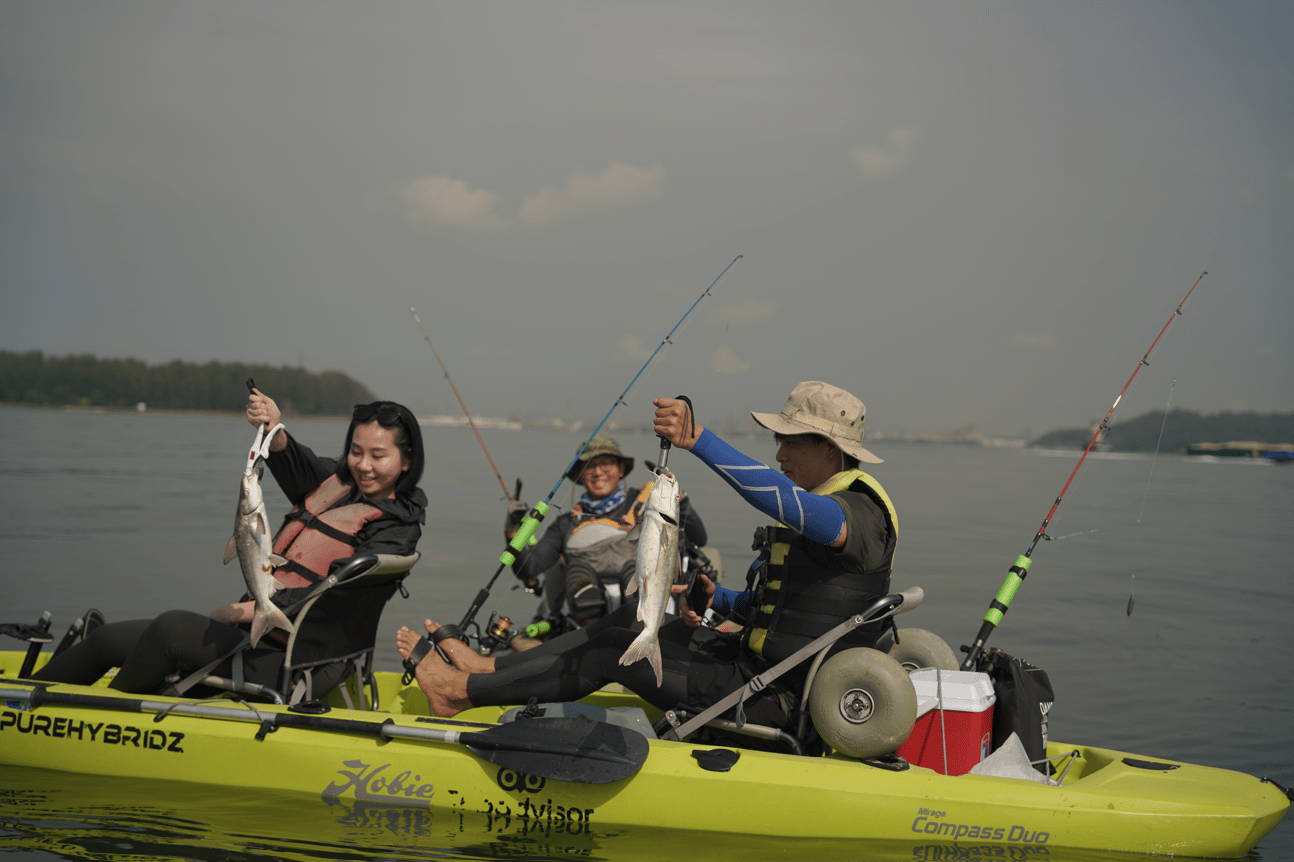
[470,420]
[1016,574]
[525,535]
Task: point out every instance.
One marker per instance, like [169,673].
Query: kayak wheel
[863,703]
[918,648]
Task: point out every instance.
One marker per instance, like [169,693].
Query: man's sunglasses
[387,414]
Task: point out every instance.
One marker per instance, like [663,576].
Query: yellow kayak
[589,775]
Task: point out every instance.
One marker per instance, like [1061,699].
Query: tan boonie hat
[828,411]
[599,444]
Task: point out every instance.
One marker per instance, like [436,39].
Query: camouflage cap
[599,444]
[828,411]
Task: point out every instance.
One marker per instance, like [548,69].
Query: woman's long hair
[408,439]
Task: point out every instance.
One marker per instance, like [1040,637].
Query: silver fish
[657,569]
[251,544]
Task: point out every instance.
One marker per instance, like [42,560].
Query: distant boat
[461,422]
[1244,449]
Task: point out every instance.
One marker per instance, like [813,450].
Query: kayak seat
[334,642]
[857,701]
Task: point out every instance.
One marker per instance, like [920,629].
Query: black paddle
[566,749]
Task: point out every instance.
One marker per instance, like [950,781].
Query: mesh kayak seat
[334,642]
[858,701]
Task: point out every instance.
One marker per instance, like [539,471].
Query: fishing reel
[498,634]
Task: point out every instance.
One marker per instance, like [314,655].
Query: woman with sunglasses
[366,502]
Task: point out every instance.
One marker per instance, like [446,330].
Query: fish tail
[648,647]
[269,618]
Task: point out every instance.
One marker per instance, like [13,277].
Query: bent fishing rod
[470,420]
[1016,574]
[525,535]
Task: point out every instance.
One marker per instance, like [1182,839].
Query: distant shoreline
[160,411]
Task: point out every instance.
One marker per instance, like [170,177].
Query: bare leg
[444,685]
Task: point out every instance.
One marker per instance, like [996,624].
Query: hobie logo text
[371,783]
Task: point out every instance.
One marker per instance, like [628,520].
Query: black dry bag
[1024,698]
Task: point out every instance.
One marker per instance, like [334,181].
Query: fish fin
[653,659]
[632,587]
[277,561]
[259,625]
[261,526]
[231,550]
[648,647]
[267,618]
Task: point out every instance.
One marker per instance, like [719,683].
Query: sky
[964,213]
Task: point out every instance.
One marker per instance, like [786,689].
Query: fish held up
[657,570]
[251,543]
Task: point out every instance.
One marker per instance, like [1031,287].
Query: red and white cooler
[966,717]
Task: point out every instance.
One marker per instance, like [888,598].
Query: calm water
[130,514]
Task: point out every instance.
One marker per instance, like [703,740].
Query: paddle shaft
[516,736]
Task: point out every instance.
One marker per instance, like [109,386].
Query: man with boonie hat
[595,542]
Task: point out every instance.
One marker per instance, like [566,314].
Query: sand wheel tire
[863,703]
[918,648]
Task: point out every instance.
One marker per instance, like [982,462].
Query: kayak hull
[1105,802]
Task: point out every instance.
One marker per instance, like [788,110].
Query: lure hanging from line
[1016,574]
[525,535]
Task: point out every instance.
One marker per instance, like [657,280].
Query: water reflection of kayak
[1108,800]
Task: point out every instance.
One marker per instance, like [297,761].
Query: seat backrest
[339,624]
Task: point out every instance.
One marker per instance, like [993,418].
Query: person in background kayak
[829,557]
[377,477]
[596,543]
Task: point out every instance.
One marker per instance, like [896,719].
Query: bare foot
[444,685]
[463,656]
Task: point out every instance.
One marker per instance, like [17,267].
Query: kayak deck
[1109,800]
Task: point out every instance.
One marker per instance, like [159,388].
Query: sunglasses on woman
[387,414]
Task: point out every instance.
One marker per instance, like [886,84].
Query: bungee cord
[525,535]
[1016,574]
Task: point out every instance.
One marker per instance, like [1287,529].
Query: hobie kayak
[593,775]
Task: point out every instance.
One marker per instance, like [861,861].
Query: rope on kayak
[525,535]
[1016,574]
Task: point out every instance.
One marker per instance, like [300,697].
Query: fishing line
[1016,574]
[470,420]
[525,535]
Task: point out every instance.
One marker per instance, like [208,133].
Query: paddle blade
[565,749]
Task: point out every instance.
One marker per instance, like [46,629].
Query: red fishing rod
[1016,574]
[470,420]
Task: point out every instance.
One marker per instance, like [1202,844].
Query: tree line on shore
[87,381]
[1181,428]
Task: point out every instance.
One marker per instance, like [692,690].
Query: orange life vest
[315,535]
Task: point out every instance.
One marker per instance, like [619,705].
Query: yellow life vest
[799,598]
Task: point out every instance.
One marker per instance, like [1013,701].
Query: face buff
[610,503]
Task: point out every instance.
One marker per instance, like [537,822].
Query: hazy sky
[962,212]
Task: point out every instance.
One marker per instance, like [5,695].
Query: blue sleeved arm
[818,518]
[727,601]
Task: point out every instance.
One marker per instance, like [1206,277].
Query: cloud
[586,192]
[446,202]
[1033,340]
[741,313]
[632,347]
[726,362]
[889,160]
